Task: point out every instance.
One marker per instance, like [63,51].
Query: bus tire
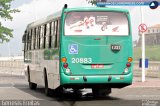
[48,91]
[58,92]
[32,85]
[97,92]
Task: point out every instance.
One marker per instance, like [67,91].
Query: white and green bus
[80,48]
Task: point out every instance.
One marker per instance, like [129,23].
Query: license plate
[97,66]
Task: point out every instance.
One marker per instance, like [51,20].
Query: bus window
[44,36]
[38,38]
[47,35]
[53,34]
[27,35]
[36,45]
[96,23]
[56,33]
[29,41]
[35,39]
[41,37]
[24,40]
[47,29]
[50,35]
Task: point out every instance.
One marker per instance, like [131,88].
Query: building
[152,36]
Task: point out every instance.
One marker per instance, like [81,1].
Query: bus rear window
[96,23]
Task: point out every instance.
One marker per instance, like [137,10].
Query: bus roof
[96,9]
[57,14]
[44,20]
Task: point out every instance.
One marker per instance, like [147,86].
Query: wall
[152,71]
[15,66]
[12,65]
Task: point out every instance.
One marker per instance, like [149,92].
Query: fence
[12,65]
[15,65]
[152,71]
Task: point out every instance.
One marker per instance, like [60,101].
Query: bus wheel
[101,92]
[48,91]
[77,93]
[31,84]
[58,92]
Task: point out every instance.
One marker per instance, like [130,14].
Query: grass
[152,53]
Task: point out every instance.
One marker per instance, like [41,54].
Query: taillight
[128,64]
[126,70]
[65,65]
[130,59]
[64,59]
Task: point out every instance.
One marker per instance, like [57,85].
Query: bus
[79,48]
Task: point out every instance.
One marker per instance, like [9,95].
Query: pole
[143,48]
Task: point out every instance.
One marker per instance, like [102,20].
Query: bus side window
[47,35]
[56,33]
[25,44]
[26,48]
[44,36]
[50,35]
[24,40]
[32,39]
[38,37]
[29,40]
[41,37]
[35,39]
[36,45]
[53,34]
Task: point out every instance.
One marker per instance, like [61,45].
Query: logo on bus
[73,49]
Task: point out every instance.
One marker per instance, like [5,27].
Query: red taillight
[128,64]
[65,65]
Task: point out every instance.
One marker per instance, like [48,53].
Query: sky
[32,10]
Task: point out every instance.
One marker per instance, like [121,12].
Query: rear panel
[95,54]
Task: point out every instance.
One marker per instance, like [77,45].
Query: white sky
[32,10]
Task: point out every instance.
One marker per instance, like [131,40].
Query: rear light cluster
[64,61]
[128,64]
[65,65]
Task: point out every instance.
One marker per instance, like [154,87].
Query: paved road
[14,91]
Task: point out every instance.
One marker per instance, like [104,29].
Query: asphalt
[14,88]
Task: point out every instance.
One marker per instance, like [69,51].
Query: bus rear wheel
[32,85]
[99,92]
[48,91]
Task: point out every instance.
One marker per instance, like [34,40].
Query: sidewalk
[149,82]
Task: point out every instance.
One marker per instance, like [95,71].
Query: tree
[5,14]
[94,2]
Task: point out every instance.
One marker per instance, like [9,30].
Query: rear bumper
[103,81]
